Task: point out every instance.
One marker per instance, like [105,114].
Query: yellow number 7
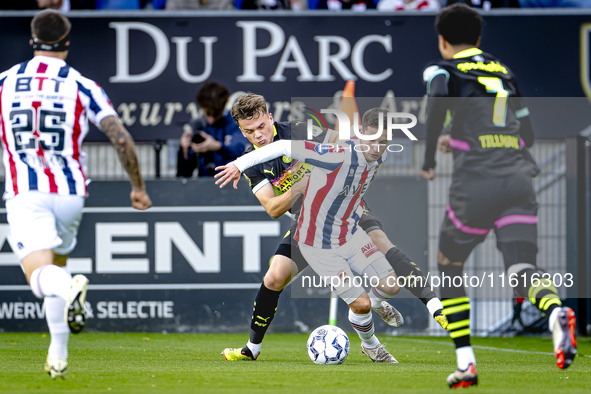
[495,85]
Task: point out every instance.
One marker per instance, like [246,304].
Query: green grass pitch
[178,363]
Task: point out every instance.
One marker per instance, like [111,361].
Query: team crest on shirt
[286,159]
[327,148]
[586,58]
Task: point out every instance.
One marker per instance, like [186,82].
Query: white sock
[553,317]
[51,281]
[58,328]
[363,326]
[465,357]
[433,305]
[376,297]
[255,348]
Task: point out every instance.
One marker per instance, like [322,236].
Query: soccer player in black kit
[279,185]
[476,96]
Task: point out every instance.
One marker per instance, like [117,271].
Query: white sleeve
[325,156]
[266,153]
[95,100]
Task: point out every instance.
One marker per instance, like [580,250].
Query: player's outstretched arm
[232,170]
[125,148]
[227,173]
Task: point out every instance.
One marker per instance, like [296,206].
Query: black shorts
[506,204]
[288,246]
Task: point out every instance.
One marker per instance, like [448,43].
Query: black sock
[404,267]
[265,306]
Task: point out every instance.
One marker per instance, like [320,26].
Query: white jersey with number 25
[45,106]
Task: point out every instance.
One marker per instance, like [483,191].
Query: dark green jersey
[479,99]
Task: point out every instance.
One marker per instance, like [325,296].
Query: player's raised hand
[428,175]
[228,173]
[443,143]
[300,186]
[140,199]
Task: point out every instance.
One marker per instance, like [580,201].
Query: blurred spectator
[555,3]
[118,4]
[487,4]
[296,5]
[338,5]
[409,5]
[18,5]
[213,140]
[199,5]
[59,5]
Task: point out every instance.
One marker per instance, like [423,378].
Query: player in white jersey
[45,106]
[327,231]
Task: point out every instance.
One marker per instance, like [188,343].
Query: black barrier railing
[579,226]
[158,144]
[584,142]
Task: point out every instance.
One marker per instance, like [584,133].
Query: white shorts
[359,254]
[40,221]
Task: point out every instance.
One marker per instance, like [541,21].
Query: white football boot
[379,354]
[56,367]
[389,314]
[75,313]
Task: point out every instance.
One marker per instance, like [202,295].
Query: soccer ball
[328,345]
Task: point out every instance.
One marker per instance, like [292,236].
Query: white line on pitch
[170,286]
[500,349]
[220,208]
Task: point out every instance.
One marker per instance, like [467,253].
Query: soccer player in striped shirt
[279,185]
[327,231]
[44,107]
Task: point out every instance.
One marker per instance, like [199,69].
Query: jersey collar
[49,59]
[467,52]
[274,135]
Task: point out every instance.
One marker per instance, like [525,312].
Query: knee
[275,281]
[361,306]
[389,286]
[394,290]
[381,240]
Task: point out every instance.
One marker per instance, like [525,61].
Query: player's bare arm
[276,206]
[436,113]
[125,148]
[228,173]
